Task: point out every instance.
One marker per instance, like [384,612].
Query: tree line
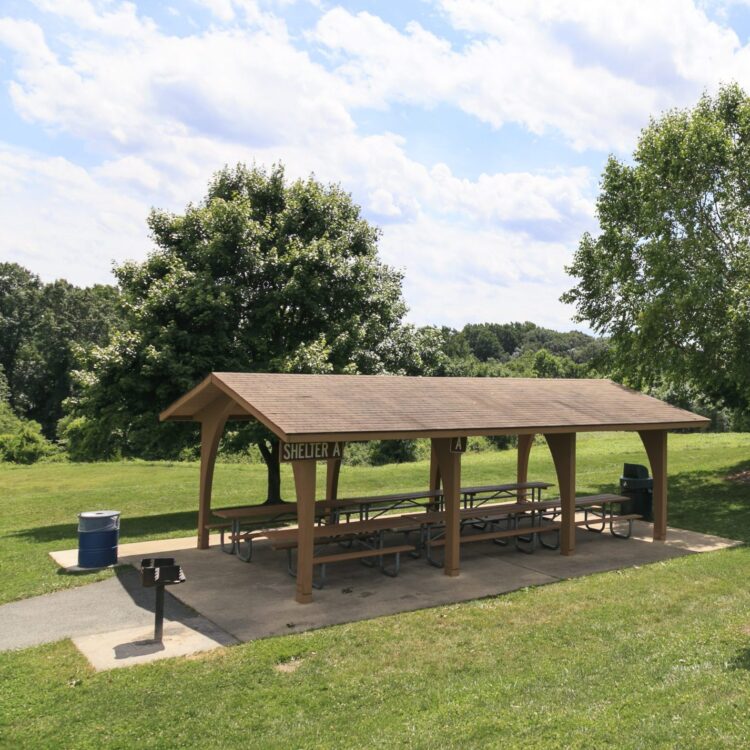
[263,275]
[269,275]
[55,336]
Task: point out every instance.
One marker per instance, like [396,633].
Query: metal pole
[159,614]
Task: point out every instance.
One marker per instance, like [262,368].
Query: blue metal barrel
[98,536]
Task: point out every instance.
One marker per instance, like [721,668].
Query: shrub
[393,452]
[86,439]
[21,441]
[503,442]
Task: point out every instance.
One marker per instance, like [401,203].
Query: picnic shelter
[314,416]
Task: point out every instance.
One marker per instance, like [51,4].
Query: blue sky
[473,132]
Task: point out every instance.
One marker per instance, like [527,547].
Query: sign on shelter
[458,445]
[311,451]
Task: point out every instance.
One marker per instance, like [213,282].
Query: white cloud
[158,113]
[113,19]
[61,222]
[461,275]
[590,70]
[222,9]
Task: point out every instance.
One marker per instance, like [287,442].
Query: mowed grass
[656,657]
[39,504]
[650,657]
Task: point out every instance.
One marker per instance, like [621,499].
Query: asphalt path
[117,603]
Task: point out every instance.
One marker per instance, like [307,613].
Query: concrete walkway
[117,604]
[226,601]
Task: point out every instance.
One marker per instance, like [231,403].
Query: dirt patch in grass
[287,667]
[741,477]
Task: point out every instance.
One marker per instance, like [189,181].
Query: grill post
[158,572]
[159,614]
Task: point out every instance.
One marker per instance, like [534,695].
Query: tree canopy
[41,327]
[262,275]
[668,275]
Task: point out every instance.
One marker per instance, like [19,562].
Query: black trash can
[638,486]
[98,537]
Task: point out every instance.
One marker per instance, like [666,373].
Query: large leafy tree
[20,292]
[668,276]
[262,275]
[41,325]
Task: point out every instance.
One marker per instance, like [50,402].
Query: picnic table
[542,517]
[365,537]
[363,522]
[269,516]
[265,516]
[475,496]
[351,516]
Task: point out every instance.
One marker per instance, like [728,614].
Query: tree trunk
[270,452]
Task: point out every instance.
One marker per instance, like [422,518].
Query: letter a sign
[458,445]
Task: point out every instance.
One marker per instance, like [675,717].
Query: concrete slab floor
[130,646]
[68,558]
[256,600]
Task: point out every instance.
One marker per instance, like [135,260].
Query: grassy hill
[651,657]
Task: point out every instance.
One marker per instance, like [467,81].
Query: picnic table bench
[369,535]
[367,538]
[542,517]
[268,516]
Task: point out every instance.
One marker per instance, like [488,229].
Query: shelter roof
[368,407]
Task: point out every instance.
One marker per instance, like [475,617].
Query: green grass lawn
[657,656]
[158,500]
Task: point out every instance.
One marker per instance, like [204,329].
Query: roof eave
[169,414]
[538,430]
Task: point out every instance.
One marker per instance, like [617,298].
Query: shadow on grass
[130,528]
[741,660]
[702,501]
[706,501]
[78,573]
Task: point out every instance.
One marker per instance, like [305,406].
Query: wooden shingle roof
[364,407]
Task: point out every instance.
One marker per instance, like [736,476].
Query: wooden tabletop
[277,510]
[289,509]
[505,487]
[344,529]
[396,497]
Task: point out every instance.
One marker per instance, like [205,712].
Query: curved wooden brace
[522,462]
[562,446]
[655,443]
[333,469]
[212,418]
[434,469]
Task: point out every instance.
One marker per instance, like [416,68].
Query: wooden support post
[304,482]
[434,469]
[522,462]
[333,469]
[563,449]
[655,443]
[212,419]
[450,471]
